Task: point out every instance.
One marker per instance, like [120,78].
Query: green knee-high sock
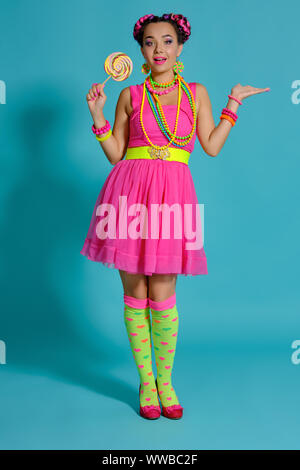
[164,332]
[138,326]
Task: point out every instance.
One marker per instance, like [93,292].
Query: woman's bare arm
[116,145]
[211,137]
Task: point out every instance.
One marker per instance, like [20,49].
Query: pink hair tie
[235,99]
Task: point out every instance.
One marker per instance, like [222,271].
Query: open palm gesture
[242,92]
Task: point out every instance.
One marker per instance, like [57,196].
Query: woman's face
[160,39]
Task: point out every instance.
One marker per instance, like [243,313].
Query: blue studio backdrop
[68,378]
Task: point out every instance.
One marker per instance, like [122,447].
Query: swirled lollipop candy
[118,65]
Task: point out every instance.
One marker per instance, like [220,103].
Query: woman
[155,126]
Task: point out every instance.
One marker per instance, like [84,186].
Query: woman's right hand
[96,99]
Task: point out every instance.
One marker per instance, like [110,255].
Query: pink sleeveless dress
[147,182]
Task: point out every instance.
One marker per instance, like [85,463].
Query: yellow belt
[176,154]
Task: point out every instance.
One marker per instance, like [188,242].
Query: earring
[178,67]
[145,68]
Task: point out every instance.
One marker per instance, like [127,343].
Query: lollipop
[118,65]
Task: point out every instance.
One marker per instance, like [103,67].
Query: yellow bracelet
[104,138]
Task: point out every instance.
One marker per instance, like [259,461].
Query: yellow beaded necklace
[162,152]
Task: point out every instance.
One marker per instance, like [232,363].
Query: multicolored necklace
[160,92]
[162,85]
[161,120]
[163,152]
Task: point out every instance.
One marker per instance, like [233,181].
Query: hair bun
[182,23]
[138,25]
[179,22]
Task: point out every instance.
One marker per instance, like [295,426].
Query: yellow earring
[145,68]
[178,67]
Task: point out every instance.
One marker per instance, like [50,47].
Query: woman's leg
[138,327]
[165,321]
[135,285]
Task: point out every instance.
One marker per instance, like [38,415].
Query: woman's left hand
[242,92]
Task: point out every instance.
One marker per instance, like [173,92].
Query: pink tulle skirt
[125,234]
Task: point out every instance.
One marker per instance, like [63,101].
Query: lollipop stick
[106,79]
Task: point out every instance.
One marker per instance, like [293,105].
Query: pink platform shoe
[149,411]
[173,411]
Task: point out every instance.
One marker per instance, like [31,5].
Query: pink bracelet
[101,130]
[229,112]
[235,99]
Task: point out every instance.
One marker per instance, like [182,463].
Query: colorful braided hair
[180,23]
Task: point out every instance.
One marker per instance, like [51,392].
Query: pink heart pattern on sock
[138,327]
[165,331]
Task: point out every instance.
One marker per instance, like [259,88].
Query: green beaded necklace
[162,85]
[179,141]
